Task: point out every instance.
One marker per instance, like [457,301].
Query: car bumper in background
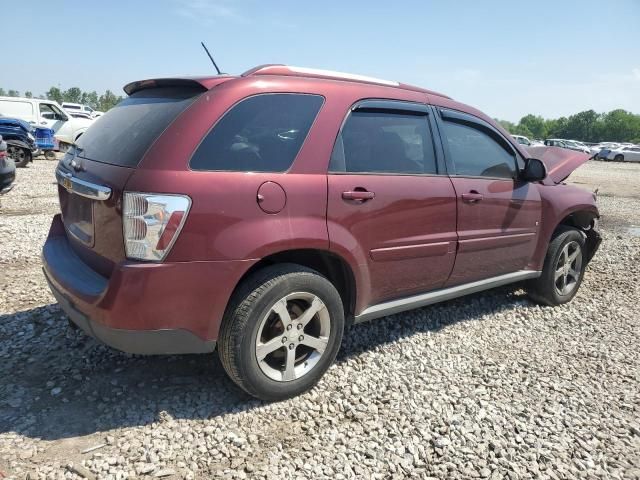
[144,308]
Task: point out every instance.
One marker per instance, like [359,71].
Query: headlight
[31,137]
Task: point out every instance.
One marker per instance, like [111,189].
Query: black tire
[50,155]
[20,156]
[252,305]
[619,158]
[545,289]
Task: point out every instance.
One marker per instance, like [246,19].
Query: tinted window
[384,142]
[123,134]
[476,154]
[260,134]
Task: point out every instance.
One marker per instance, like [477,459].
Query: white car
[602,145]
[46,113]
[625,154]
[522,140]
[78,108]
[576,145]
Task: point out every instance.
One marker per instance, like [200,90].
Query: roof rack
[315,73]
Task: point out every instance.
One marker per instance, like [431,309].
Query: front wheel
[619,158]
[20,156]
[281,332]
[563,269]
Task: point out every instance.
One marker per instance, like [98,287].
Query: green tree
[2,92]
[506,124]
[621,126]
[13,93]
[535,125]
[73,95]
[28,94]
[90,98]
[55,94]
[107,100]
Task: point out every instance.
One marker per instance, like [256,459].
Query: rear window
[262,133]
[123,134]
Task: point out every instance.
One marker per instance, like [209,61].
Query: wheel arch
[335,268]
[586,221]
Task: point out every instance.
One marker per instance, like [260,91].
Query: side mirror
[534,170]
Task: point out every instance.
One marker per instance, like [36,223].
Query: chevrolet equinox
[262,213]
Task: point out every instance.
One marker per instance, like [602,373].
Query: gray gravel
[489,386]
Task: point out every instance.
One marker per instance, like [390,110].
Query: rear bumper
[143,342]
[143,308]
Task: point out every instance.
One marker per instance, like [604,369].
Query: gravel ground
[488,386]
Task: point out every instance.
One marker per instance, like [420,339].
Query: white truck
[46,113]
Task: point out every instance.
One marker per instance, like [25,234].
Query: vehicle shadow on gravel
[58,383]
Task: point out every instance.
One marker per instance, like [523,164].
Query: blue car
[21,144]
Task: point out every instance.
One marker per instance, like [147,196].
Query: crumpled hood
[560,162]
[15,122]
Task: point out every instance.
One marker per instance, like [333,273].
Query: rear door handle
[472,197]
[358,195]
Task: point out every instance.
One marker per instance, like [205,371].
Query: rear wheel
[21,156]
[563,269]
[282,331]
[619,158]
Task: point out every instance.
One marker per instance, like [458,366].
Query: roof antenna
[212,60]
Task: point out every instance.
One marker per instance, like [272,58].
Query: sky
[507,58]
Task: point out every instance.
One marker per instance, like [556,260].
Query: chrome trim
[82,187]
[424,299]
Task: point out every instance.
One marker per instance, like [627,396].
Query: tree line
[588,126]
[74,95]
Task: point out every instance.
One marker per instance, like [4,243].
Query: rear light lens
[152,223]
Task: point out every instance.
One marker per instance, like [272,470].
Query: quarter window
[476,154]
[262,133]
[384,142]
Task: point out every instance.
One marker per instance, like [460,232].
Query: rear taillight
[152,223]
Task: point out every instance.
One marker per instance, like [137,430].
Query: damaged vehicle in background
[260,214]
[21,144]
[46,113]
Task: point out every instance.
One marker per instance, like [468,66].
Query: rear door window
[384,142]
[262,133]
[124,134]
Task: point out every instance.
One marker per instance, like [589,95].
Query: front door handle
[472,197]
[358,195]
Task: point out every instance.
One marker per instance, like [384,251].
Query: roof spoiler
[202,83]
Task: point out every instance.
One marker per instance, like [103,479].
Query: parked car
[598,147]
[21,146]
[555,142]
[576,145]
[625,154]
[522,140]
[262,213]
[46,113]
[570,144]
[78,108]
[7,169]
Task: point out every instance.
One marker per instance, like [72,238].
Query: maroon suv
[261,213]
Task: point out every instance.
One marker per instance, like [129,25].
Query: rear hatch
[93,174]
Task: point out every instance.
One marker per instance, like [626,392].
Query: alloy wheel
[568,268]
[292,336]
